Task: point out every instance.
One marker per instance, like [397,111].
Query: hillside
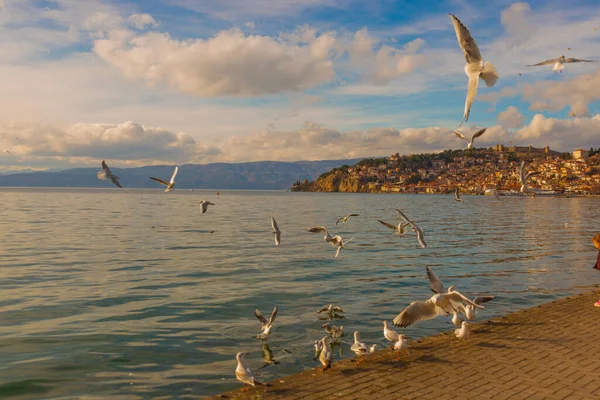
[261,175]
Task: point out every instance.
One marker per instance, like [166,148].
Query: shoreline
[549,351]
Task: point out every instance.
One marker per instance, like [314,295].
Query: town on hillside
[473,171]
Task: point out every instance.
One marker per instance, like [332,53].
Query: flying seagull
[474,68]
[436,284]
[334,241]
[330,309]
[204,206]
[470,142]
[244,374]
[266,325]
[470,311]
[415,228]
[106,173]
[524,177]
[559,63]
[276,231]
[457,195]
[171,183]
[345,219]
[438,304]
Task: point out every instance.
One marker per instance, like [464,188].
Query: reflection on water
[129,294]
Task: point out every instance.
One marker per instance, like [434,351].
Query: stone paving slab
[550,352]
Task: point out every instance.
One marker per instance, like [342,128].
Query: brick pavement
[551,351]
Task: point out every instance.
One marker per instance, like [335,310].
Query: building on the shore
[580,154]
[500,148]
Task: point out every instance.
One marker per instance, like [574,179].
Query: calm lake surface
[126,294]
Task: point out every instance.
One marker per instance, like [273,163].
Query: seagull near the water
[400,346]
[276,231]
[266,325]
[457,195]
[326,356]
[360,349]
[204,205]
[559,63]
[472,141]
[106,173]
[524,177]
[438,304]
[169,184]
[345,219]
[415,228]
[398,228]
[244,374]
[330,309]
[470,311]
[334,241]
[493,192]
[474,68]
[390,334]
[463,332]
[456,320]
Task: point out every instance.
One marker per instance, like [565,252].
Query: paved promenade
[547,352]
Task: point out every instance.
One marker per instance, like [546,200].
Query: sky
[199,81]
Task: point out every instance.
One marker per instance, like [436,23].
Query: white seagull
[456,320]
[463,332]
[330,309]
[472,141]
[400,346]
[360,349]
[171,184]
[266,325]
[415,228]
[106,173]
[438,304]
[390,334]
[524,177]
[326,356]
[276,231]
[457,195]
[470,311]
[492,192]
[436,284]
[244,374]
[559,63]
[398,228]
[334,241]
[345,219]
[474,68]
[204,206]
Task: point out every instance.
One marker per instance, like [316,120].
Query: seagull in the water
[474,68]
[204,206]
[438,304]
[463,332]
[331,310]
[276,231]
[326,356]
[472,141]
[524,177]
[244,374]
[171,184]
[415,228]
[559,63]
[334,241]
[334,331]
[345,219]
[106,173]
[400,346]
[494,193]
[360,349]
[266,325]
[457,195]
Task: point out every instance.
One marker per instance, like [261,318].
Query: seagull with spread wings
[474,68]
[470,142]
[106,173]
[559,63]
[524,177]
[415,228]
[204,206]
[457,195]
[171,184]
[345,219]
[266,325]
[436,284]
[334,241]
[398,228]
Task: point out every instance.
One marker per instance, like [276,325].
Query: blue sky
[155,82]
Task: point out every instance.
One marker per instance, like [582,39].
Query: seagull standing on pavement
[244,374]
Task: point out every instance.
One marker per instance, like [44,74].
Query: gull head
[240,356]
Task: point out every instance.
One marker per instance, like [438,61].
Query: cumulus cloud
[511,118]
[380,66]
[229,63]
[565,134]
[140,21]
[517,22]
[128,141]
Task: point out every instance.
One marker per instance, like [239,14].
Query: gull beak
[245,354]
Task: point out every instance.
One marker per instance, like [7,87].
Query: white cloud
[564,134]
[511,118]
[517,22]
[140,21]
[229,63]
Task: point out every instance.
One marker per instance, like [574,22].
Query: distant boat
[191,190]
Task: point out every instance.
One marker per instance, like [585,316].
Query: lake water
[127,294]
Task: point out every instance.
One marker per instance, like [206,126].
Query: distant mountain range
[262,175]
